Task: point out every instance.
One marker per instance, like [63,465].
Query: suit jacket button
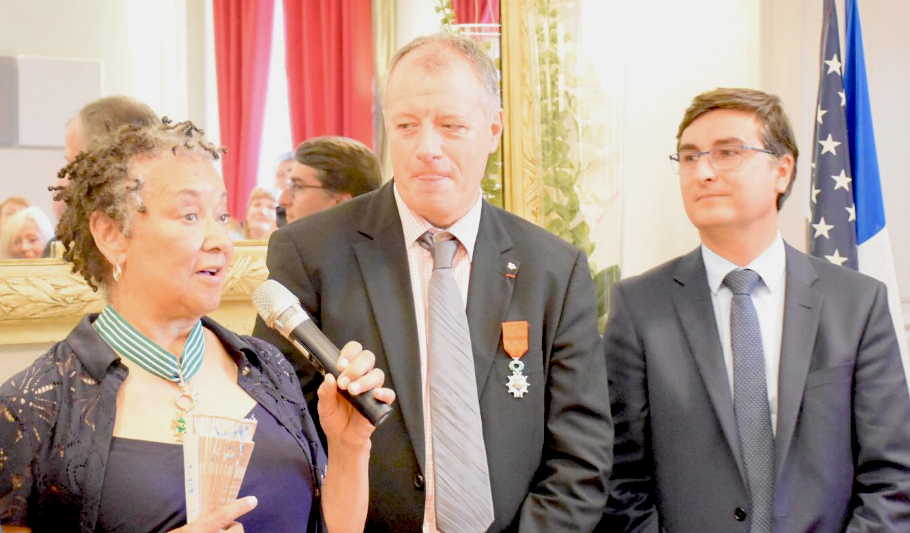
[418,481]
[739,514]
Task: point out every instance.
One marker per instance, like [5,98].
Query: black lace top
[57,420]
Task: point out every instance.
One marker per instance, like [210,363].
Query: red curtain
[243,45]
[330,68]
[476,11]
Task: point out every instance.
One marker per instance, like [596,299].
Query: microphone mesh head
[271,299]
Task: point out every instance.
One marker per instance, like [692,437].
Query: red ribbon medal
[515,343]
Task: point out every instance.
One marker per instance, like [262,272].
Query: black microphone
[281,311]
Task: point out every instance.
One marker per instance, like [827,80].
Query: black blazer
[842,448]
[549,452]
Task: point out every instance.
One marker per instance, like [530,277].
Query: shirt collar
[464,229]
[770,265]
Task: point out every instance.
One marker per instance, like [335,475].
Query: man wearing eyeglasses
[327,171]
[754,388]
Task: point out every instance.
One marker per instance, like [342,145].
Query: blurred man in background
[97,119]
[326,172]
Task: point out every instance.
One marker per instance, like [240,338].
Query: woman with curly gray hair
[90,433]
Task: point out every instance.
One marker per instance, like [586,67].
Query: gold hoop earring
[117,272]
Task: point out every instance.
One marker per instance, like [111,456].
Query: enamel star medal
[515,343]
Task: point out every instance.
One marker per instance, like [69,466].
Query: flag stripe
[863,156]
[874,246]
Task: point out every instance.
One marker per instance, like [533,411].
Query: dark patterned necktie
[750,399]
[464,503]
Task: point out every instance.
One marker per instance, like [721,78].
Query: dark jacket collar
[381,214]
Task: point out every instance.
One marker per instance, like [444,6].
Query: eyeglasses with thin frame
[727,157]
[294,186]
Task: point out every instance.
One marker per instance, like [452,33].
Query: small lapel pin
[512,270]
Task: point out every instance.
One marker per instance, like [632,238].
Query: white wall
[415,18]
[691,47]
[789,69]
[28,173]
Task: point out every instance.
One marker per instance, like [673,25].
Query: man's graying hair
[106,115]
[452,42]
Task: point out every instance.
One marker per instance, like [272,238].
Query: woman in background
[90,433]
[260,215]
[25,234]
[11,206]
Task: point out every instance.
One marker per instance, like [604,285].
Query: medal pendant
[184,402]
[515,343]
[518,382]
[179,426]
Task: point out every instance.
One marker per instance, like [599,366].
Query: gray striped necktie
[464,502]
[750,399]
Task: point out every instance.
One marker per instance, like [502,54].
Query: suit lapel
[490,291]
[802,309]
[696,314]
[383,263]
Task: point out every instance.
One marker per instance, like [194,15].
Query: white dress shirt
[420,265]
[768,298]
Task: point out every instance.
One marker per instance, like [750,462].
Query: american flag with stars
[832,230]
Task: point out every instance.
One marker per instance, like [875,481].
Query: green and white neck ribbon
[130,343]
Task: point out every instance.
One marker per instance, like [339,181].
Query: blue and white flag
[875,257]
[848,215]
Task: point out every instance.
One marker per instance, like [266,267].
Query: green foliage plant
[561,136]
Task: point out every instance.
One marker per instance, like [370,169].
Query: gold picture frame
[521,166]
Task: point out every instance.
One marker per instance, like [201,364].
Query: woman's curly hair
[101,180]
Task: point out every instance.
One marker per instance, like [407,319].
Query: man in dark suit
[361,271]
[754,388]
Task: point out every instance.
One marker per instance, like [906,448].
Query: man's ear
[109,238]
[785,166]
[496,130]
[340,197]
